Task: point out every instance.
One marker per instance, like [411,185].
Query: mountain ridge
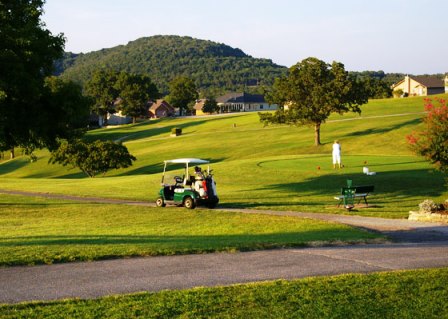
[215,67]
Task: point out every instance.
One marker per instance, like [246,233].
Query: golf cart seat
[179,180]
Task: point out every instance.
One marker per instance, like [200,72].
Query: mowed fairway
[267,168]
[37,231]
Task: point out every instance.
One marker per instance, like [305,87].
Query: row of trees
[112,91]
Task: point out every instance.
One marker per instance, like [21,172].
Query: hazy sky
[406,36]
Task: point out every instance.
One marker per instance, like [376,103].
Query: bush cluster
[429,206]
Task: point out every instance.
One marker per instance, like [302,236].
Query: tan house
[198,107]
[420,86]
[243,102]
[161,108]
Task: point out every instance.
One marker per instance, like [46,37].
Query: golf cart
[188,190]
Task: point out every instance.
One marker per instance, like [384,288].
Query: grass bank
[260,167]
[37,231]
[403,294]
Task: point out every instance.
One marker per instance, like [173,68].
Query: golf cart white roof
[187,161]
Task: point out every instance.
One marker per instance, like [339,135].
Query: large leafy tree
[432,141]
[27,53]
[183,93]
[135,92]
[103,89]
[312,91]
[68,111]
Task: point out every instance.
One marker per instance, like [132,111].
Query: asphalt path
[122,276]
[416,245]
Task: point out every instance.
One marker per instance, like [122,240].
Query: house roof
[199,104]
[241,98]
[159,103]
[429,82]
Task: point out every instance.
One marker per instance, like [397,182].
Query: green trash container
[349,183]
[349,198]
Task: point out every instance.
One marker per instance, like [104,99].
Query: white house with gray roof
[244,102]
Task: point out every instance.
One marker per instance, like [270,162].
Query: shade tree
[27,53]
[135,92]
[183,93]
[311,92]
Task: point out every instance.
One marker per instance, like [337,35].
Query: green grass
[405,295]
[266,168]
[36,231]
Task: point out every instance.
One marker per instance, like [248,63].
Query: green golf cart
[185,188]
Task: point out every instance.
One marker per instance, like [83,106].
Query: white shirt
[336,149]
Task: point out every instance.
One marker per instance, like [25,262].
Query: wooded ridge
[214,67]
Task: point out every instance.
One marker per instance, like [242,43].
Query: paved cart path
[121,276]
[419,245]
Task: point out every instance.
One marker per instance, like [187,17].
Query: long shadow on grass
[158,168]
[405,183]
[12,165]
[382,130]
[127,134]
[181,241]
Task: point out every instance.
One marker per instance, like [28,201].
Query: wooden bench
[361,192]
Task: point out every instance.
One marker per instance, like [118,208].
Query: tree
[135,91]
[92,158]
[377,88]
[210,105]
[103,89]
[183,92]
[27,53]
[312,91]
[68,111]
[432,141]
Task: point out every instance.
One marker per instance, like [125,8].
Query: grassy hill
[261,167]
[209,64]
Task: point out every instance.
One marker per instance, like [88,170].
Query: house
[198,106]
[161,108]
[118,118]
[420,86]
[243,102]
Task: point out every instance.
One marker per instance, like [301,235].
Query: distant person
[336,154]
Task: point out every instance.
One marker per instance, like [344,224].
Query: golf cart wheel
[189,203]
[160,202]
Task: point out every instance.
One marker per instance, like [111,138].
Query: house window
[261,106]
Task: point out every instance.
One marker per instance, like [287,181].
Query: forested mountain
[214,67]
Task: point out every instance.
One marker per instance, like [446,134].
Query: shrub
[92,158]
[427,206]
[431,142]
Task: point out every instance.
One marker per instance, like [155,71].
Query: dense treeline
[215,68]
